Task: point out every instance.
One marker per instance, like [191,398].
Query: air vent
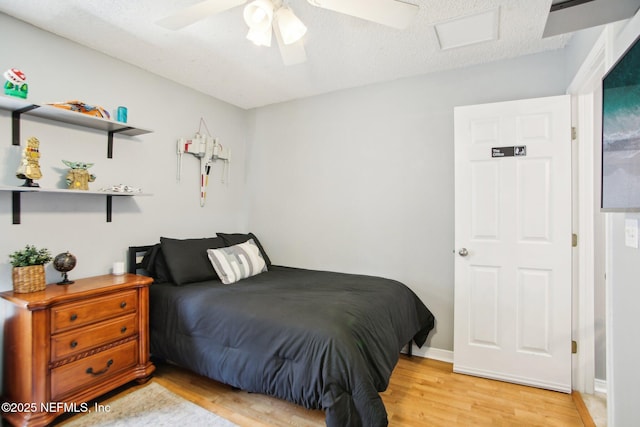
[567,16]
[563,4]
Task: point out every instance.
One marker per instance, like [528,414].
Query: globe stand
[65,280]
[64,263]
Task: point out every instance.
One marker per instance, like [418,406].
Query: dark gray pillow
[237,238]
[154,264]
[187,258]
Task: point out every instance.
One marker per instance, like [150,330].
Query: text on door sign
[517,150]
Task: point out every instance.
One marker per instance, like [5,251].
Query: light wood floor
[422,392]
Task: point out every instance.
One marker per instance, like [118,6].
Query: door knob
[463,252]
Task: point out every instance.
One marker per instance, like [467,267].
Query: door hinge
[574,240]
[574,347]
[574,133]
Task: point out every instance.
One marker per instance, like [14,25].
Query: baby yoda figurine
[78,178]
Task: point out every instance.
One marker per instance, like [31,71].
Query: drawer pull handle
[95,374]
[74,344]
[123,329]
[73,317]
[123,304]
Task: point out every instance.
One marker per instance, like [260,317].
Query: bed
[324,340]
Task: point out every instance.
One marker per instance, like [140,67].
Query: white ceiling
[214,57]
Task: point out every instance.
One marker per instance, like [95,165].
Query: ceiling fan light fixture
[290,26]
[260,38]
[259,14]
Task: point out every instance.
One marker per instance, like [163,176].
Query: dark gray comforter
[320,339]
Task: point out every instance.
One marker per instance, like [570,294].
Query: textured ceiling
[214,57]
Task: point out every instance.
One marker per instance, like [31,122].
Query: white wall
[623,294]
[362,181]
[623,353]
[577,49]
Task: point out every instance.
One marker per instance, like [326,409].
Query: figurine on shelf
[16,83]
[121,188]
[81,107]
[29,168]
[78,178]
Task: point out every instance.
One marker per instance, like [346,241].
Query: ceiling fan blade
[293,53]
[196,12]
[392,13]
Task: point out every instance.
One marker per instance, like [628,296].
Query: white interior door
[513,241]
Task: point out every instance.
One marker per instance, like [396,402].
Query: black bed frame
[134,258]
[134,266]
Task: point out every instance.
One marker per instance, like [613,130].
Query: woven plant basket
[28,279]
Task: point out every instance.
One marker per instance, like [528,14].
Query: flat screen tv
[621,133]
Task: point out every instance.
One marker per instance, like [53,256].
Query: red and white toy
[208,150]
[16,84]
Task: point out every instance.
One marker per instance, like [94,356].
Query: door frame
[582,89]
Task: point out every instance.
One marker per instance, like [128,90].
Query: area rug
[151,405]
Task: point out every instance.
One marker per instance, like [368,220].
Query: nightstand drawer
[66,316]
[93,369]
[79,340]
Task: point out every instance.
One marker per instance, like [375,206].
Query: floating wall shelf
[17,191]
[18,107]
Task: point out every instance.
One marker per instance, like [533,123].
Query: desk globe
[64,263]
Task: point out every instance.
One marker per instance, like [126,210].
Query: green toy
[16,83]
[78,177]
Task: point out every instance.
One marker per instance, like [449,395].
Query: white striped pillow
[237,262]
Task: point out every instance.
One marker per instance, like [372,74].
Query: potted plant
[28,269]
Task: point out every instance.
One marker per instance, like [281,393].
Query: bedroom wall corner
[361,180]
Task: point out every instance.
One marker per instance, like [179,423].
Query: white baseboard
[516,379]
[432,353]
[600,386]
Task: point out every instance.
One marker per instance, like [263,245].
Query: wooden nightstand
[72,343]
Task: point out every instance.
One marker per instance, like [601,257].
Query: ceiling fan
[267,17]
